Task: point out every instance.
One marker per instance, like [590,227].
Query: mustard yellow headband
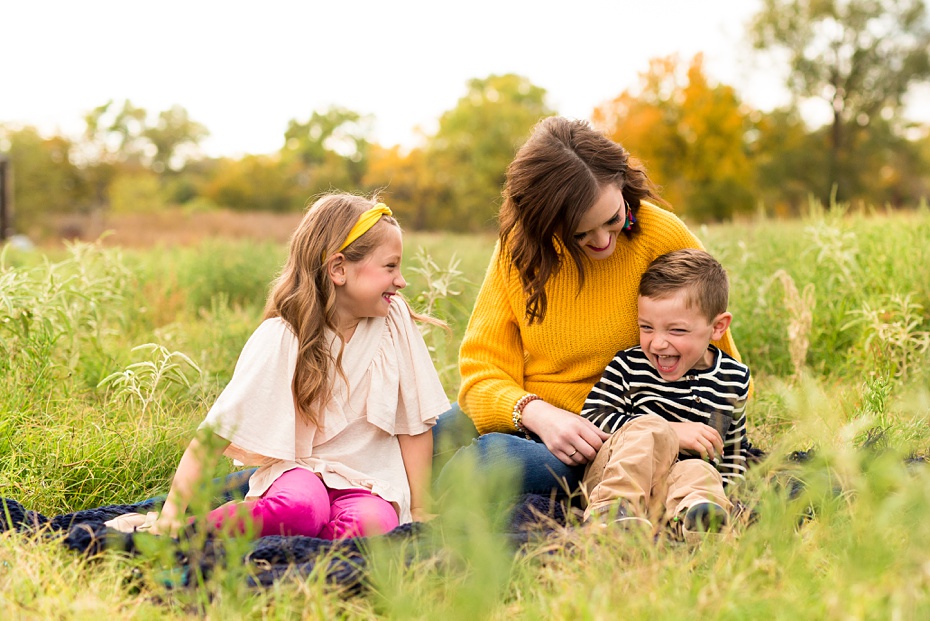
[365,222]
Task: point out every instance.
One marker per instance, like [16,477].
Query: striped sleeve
[609,405]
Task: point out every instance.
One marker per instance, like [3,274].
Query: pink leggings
[298,503]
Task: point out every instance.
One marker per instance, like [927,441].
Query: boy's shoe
[700,520]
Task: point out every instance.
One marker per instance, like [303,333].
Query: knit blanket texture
[269,558]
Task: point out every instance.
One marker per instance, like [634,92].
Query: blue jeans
[540,472]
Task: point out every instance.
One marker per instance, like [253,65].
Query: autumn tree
[859,56]
[405,182]
[691,135]
[466,159]
[254,183]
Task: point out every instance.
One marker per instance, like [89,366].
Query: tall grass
[109,358]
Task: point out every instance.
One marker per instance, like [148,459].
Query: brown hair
[693,270]
[555,178]
[304,296]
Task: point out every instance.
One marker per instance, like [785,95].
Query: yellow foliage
[690,134]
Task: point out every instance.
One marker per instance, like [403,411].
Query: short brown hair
[555,178]
[691,269]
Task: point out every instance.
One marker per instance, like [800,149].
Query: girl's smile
[370,284]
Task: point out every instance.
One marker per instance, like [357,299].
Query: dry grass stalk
[800,308]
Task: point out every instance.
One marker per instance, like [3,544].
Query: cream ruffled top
[393,389]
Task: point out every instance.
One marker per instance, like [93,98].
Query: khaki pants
[639,464]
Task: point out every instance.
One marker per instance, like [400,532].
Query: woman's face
[599,226]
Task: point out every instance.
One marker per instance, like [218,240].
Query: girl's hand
[165,526]
[698,438]
[421,515]
[572,439]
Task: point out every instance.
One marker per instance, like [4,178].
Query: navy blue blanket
[269,558]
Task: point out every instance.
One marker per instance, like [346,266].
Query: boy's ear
[720,324]
[336,269]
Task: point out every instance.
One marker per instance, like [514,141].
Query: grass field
[111,355]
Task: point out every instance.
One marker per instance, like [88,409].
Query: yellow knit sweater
[502,357]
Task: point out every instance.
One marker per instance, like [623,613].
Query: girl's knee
[381,518]
[360,514]
[296,504]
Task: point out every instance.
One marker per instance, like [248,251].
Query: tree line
[713,156]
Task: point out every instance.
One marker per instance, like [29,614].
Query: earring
[630,220]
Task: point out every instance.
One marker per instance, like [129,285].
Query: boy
[674,404]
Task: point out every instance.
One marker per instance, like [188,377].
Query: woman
[578,226]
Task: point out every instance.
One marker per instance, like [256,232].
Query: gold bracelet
[518,413]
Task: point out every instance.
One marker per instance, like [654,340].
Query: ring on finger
[573,453]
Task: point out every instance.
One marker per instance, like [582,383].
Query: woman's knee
[491,452]
[535,469]
[453,430]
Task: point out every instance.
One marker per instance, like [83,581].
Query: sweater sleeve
[491,357]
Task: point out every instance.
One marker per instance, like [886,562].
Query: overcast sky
[244,69]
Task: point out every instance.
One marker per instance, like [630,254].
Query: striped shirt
[631,387]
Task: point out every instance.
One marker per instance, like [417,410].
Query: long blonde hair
[304,296]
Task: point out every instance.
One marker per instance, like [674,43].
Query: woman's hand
[572,439]
[699,439]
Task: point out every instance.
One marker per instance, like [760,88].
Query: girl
[333,396]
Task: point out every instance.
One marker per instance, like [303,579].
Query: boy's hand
[698,438]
